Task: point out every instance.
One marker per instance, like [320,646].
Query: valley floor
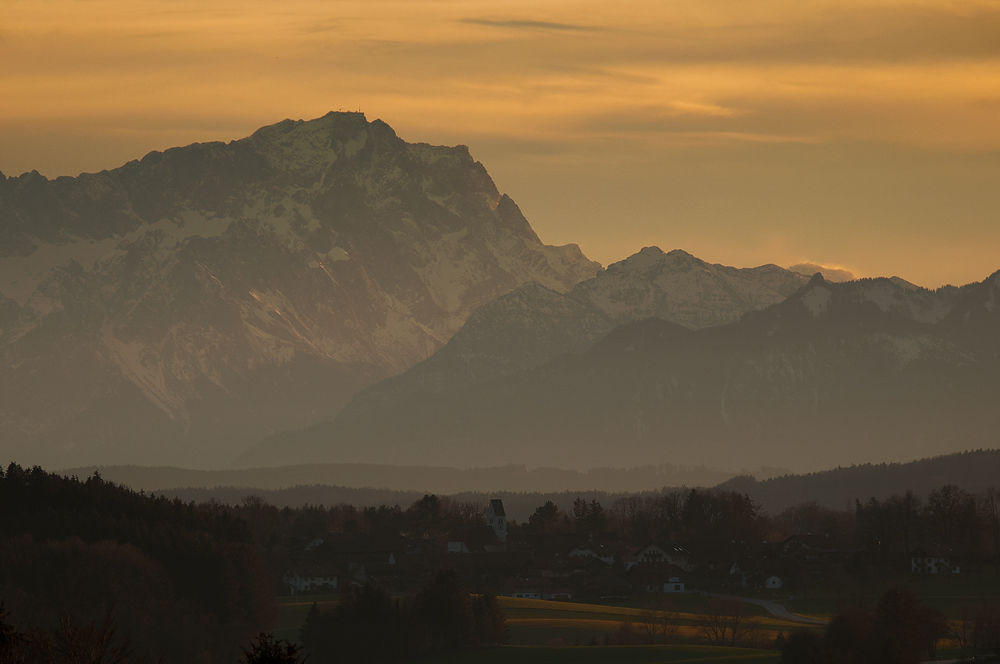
[553,632]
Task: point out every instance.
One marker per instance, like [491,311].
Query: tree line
[370,627]
[897,630]
[85,561]
[721,526]
[89,562]
[727,523]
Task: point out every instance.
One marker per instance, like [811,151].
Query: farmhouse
[306,578]
[934,560]
[532,588]
[665,552]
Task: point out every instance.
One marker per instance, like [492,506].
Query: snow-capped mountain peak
[227,290]
[681,288]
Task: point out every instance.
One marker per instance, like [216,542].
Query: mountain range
[873,370]
[183,306]
[534,324]
[323,291]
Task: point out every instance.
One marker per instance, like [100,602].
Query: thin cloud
[723,136]
[522,24]
[829,272]
[314,27]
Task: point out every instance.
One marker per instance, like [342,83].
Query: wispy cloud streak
[523,24]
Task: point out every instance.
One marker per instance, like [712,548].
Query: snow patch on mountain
[904,298]
[326,253]
[907,349]
[817,300]
[681,288]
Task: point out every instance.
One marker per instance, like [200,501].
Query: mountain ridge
[836,373]
[532,324]
[205,296]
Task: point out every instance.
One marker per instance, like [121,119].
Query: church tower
[497,519]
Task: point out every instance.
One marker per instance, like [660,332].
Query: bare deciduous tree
[990,501]
[964,628]
[724,621]
[657,622]
[93,642]
[472,513]
[626,632]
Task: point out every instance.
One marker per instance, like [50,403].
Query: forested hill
[182,581]
[972,471]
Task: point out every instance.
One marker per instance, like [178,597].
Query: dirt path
[774,609]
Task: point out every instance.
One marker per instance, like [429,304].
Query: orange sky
[863,134]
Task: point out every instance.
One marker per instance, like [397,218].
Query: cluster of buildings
[568,566]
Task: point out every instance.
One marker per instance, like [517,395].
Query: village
[587,566]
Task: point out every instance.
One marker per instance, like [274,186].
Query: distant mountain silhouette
[838,488]
[523,490]
[424,479]
[838,373]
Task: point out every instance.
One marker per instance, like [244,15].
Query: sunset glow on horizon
[860,134]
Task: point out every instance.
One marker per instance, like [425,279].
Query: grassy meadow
[547,631]
[609,655]
[952,594]
[292,611]
[553,632]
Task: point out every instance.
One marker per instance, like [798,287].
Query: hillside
[973,471]
[426,479]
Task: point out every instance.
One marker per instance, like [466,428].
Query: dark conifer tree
[268,650]
[444,610]
[490,621]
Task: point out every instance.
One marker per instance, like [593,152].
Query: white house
[532,588]
[673,585]
[665,552]
[304,578]
[935,560]
[603,552]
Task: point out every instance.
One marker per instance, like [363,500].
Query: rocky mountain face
[184,306]
[838,373]
[534,324]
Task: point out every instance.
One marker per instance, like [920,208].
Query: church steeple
[497,518]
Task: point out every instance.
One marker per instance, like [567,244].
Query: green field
[533,622]
[608,655]
[683,603]
[547,631]
[950,593]
[292,612]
